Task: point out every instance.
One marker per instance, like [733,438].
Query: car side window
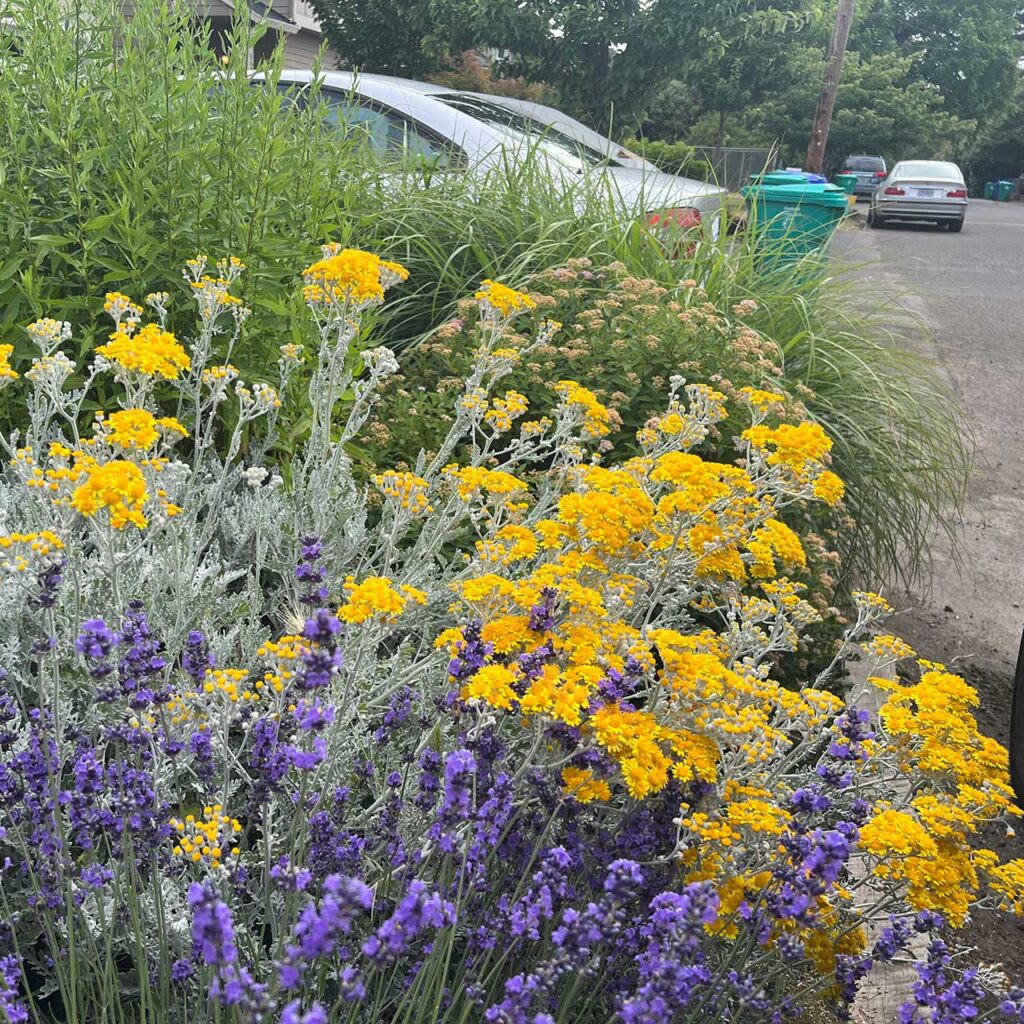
[389,134]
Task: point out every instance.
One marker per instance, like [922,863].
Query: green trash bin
[847,182]
[1004,189]
[990,190]
[791,217]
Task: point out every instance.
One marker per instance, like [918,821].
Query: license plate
[924,193]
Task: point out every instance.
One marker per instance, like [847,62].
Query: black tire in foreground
[1017,729]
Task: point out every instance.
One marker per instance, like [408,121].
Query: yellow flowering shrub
[525,653]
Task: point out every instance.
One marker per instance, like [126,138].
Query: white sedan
[452,129]
[921,190]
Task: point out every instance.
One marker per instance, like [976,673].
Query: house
[290,20]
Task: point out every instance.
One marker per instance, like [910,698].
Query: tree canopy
[937,76]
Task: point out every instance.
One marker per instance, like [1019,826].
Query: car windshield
[929,169]
[865,163]
[523,128]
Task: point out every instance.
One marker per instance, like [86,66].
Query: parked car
[870,170]
[462,130]
[616,154]
[921,190]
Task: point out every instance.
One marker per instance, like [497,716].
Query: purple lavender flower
[142,661]
[290,877]
[429,781]
[670,966]
[417,910]
[47,584]
[323,659]
[311,573]
[292,1014]
[181,971]
[318,929]
[307,760]
[312,716]
[399,709]
[943,995]
[213,931]
[542,614]
[334,848]
[201,746]
[459,770]
[10,977]
[196,658]
[549,886]
[471,653]
[95,642]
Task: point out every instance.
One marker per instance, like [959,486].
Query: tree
[602,56]
[969,51]
[409,39]
[880,109]
[608,56]
[729,80]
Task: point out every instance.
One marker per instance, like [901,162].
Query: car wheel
[955,225]
[874,221]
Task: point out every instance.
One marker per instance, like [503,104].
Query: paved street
[969,291]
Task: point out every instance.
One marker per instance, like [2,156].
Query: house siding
[302,48]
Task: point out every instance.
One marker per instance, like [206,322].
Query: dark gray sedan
[926,191]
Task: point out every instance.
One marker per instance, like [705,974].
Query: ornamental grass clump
[491,737]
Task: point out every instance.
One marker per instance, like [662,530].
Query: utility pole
[827,97]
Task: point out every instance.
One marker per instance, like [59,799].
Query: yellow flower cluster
[21,552]
[503,411]
[282,655]
[227,682]
[350,276]
[960,778]
[121,307]
[583,787]
[473,483]
[596,417]
[407,490]
[6,373]
[762,400]
[377,598]
[503,299]
[116,487]
[802,450]
[208,839]
[137,429]
[710,708]
[150,352]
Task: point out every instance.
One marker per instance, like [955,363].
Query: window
[525,129]
[929,169]
[386,133]
[864,163]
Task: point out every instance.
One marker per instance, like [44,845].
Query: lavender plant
[493,740]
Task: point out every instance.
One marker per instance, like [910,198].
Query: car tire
[955,226]
[874,221]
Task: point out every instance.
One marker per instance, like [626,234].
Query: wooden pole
[827,97]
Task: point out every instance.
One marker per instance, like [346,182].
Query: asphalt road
[968,289]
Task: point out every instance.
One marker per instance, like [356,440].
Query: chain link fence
[732,166]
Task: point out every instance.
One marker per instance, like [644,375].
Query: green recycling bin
[990,190]
[847,182]
[1004,189]
[791,217]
